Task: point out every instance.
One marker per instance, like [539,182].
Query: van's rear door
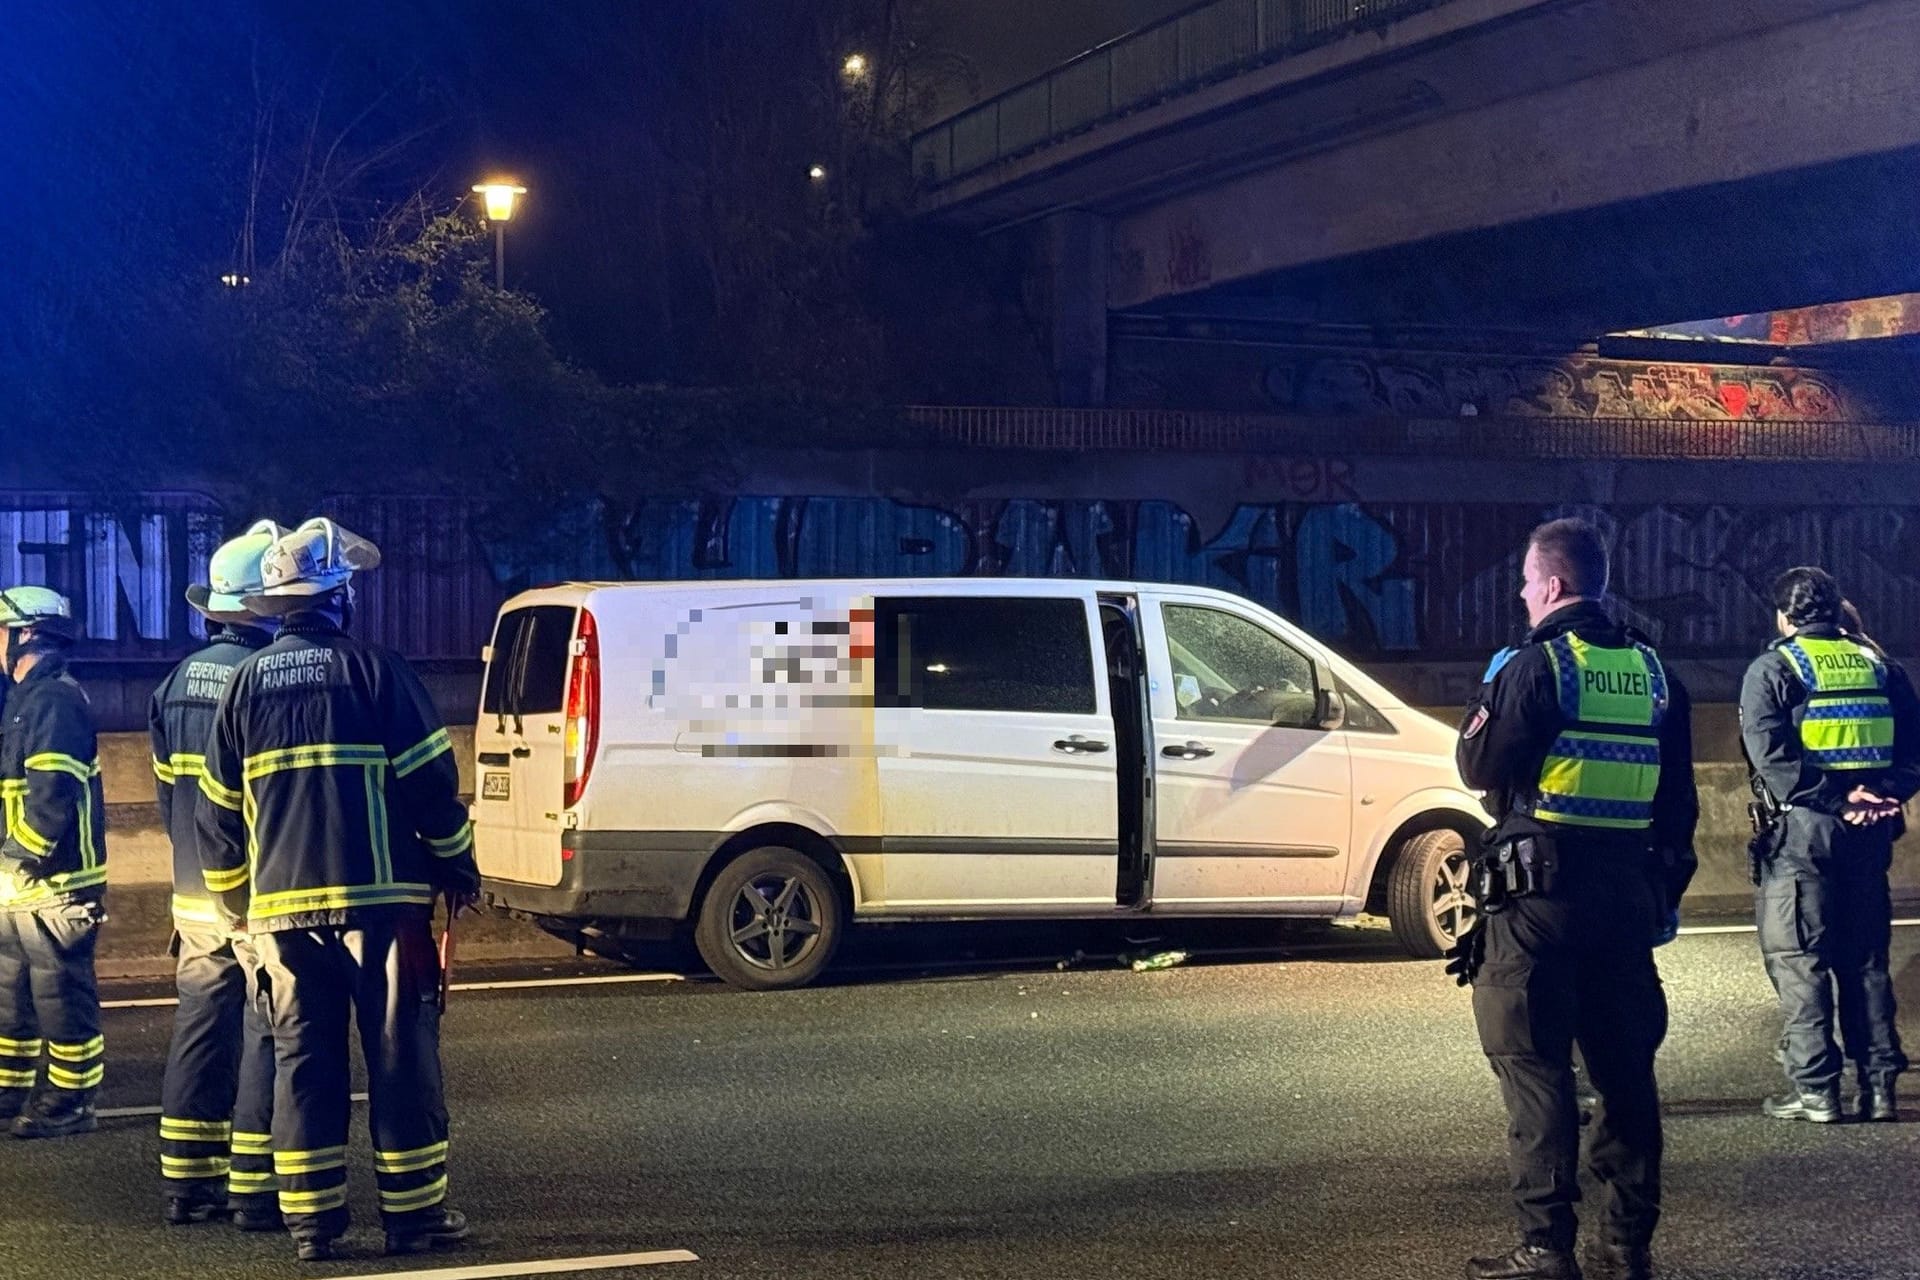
[521,758]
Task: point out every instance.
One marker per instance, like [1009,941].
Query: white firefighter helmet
[233,574]
[36,607]
[317,558]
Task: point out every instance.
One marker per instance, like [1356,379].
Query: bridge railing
[1171,57]
[1572,438]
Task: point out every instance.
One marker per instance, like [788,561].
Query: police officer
[217,1098]
[53,872]
[328,762]
[1582,741]
[1831,729]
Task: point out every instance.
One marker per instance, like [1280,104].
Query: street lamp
[817,172]
[499,197]
[855,66]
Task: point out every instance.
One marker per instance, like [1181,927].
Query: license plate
[496,786]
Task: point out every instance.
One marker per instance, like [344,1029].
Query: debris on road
[1159,960]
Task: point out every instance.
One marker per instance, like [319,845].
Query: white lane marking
[551,1266]
[124,1113]
[1748,928]
[521,984]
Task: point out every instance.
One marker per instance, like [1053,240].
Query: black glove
[1464,957]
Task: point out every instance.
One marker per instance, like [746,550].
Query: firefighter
[1831,728]
[217,1099]
[53,874]
[1581,739]
[330,820]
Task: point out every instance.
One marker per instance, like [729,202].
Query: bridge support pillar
[1077,247]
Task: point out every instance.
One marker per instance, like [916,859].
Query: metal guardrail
[1171,57]
[1572,438]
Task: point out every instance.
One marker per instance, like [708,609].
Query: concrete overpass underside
[1565,167]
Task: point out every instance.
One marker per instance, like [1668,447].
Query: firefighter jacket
[330,792]
[179,720]
[55,846]
[1820,715]
[1535,730]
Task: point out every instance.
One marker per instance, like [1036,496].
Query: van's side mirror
[1329,708]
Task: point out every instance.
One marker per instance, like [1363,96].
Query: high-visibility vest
[1848,723]
[1604,766]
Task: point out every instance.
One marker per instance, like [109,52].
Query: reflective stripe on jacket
[179,721]
[55,843]
[1604,765]
[330,788]
[1848,722]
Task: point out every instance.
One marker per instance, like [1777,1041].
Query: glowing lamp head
[499,197]
[818,173]
[855,66]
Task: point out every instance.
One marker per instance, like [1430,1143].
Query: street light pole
[500,195]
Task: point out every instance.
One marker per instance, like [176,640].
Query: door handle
[521,753]
[493,757]
[1078,745]
[1187,751]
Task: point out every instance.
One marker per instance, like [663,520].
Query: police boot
[58,1113]
[199,1205]
[1821,1106]
[1612,1260]
[439,1228]
[315,1248]
[12,1103]
[1878,1101]
[1528,1262]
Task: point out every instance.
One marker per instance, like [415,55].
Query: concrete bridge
[1567,167]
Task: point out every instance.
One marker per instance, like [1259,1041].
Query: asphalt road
[1325,1114]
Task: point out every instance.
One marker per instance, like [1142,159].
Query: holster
[1516,867]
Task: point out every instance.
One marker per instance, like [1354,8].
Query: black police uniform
[330,809]
[216,1100]
[53,870]
[1822,905]
[1573,963]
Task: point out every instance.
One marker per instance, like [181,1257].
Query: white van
[775,760]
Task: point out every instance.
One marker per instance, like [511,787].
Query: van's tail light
[583,708]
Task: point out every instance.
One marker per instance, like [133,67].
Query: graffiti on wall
[1249,377]
[1385,581]
[1388,581]
[1893,316]
[123,569]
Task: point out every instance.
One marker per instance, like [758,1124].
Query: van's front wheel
[771,919]
[1428,902]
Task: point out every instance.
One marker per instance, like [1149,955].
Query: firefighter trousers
[1576,967]
[382,972]
[49,1000]
[216,1103]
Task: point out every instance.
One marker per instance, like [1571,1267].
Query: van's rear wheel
[1428,902]
[771,919]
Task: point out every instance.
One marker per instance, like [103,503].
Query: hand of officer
[461,901]
[1865,807]
[1466,954]
[1668,929]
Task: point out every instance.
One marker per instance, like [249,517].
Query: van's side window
[528,673]
[979,653]
[1227,668]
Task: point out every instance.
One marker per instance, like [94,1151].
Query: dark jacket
[1773,701]
[55,847]
[1514,717]
[330,793]
[179,721]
